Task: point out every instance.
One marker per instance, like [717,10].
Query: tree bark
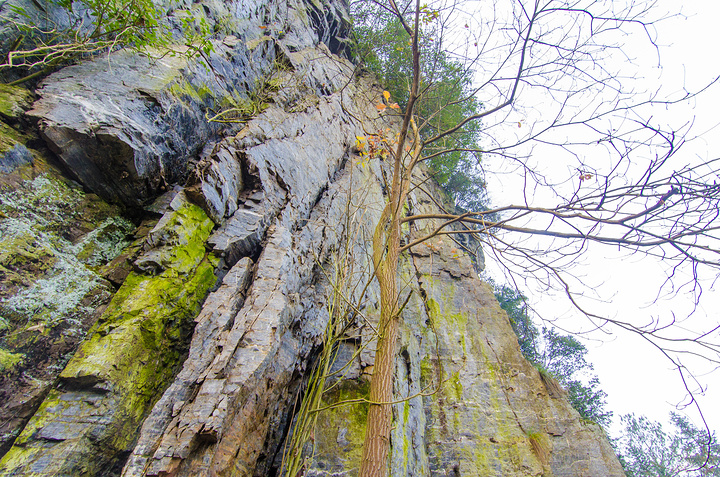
[386,244]
[377,438]
[386,256]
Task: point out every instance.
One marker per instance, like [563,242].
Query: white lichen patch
[50,278]
[58,294]
[42,201]
[53,191]
[106,242]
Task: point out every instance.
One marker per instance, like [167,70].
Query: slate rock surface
[247,234]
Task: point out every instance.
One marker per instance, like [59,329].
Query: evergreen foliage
[382,47]
[560,356]
[647,450]
[514,304]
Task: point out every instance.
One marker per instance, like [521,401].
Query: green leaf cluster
[131,22]
[647,450]
[561,356]
[96,26]
[383,47]
[515,305]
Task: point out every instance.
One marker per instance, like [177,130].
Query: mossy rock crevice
[90,421]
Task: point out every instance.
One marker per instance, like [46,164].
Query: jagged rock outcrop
[54,243]
[194,365]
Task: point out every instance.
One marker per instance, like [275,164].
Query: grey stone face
[287,211]
[18,156]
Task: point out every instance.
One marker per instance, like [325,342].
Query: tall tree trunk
[386,256]
[386,243]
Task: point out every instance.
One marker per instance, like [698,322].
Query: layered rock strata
[251,231]
[56,243]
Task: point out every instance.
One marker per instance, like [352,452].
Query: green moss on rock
[341,429]
[144,323]
[494,442]
[8,360]
[133,353]
[54,239]
[13,103]
[14,100]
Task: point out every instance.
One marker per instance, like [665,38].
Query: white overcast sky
[636,378]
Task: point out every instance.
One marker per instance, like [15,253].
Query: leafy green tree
[589,400]
[561,356]
[515,305]
[382,47]
[564,355]
[647,450]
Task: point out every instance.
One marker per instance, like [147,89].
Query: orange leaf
[394,105]
[262,27]
[381,107]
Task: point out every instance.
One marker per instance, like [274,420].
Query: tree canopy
[648,450]
[382,48]
[563,357]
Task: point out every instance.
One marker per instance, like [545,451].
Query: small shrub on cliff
[62,31]
[560,356]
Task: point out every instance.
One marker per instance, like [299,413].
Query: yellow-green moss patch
[8,360]
[14,100]
[341,429]
[133,353]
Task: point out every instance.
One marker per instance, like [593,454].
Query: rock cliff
[167,283]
